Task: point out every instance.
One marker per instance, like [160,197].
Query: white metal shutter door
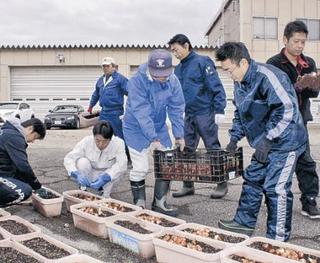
[45,87]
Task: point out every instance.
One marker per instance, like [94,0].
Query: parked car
[64,116]
[21,110]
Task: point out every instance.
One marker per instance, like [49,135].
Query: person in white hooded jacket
[98,161]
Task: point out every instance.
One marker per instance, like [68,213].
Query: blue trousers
[201,126]
[274,180]
[13,191]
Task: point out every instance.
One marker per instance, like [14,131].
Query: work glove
[89,109]
[81,179]
[42,192]
[179,143]
[232,147]
[101,181]
[156,145]
[219,118]
[309,81]
[262,150]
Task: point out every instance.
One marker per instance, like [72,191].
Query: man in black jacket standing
[301,70]
[17,179]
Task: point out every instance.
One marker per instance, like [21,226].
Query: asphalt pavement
[47,156]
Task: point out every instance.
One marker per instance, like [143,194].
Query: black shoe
[231,225]
[162,207]
[310,209]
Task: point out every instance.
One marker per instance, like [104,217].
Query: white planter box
[52,241]
[70,199]
[248,253]
[172,221]
[20,248]
[172,253]
[48,207]
[224,235]
[119,206]
[304,250]
[92,224]
[137,242]
[80,258]
[32,228]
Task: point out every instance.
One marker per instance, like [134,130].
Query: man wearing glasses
[267,114]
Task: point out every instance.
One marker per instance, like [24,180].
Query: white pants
[140,164]
[84,167]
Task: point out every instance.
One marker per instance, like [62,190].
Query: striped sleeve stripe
[285,99]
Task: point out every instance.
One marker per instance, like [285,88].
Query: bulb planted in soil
[206,232]
[11,255]
[87,197]
[45,248]
[132,226]
[117,207]
[192,244]
[285,252]
[96,211]
[156,220]
[243,259]
[15,227]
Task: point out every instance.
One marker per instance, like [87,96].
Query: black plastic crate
[202,165]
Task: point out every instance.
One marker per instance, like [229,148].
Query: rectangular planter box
[229,242]
[4,213]
[248,253]
[92,224]
[31,227]
[70,199]
[118,205]
[139,243]
[172,253]
[173,221]
[20,248]
[48,207]
[52,241]
[79,259]
[309,251]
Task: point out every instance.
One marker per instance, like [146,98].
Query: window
[313,28]
[265,28]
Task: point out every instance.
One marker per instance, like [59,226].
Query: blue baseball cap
[160,63]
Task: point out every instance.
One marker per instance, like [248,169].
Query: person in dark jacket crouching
[267,114]
[17,179]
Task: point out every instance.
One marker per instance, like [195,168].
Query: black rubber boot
[159,203]
[187,189]
[233,226]
[220,191]
[139,193]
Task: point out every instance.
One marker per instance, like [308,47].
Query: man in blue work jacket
[154,93]
[110,90]
[267,114]
[205,103]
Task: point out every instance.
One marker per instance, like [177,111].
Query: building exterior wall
[126,58]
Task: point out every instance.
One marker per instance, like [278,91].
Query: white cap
[108,61]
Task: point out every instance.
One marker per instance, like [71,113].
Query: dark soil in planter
[48,195]
[10,255]
[243,259]
[45,248]
[215,235]
[156,220]
[87,197]
[14,227]
[132,226]
[285,252]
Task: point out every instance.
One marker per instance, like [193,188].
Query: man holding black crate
[205,103]
[267,113]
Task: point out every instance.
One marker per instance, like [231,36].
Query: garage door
[45,87]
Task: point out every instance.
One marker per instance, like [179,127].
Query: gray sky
[104,21]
